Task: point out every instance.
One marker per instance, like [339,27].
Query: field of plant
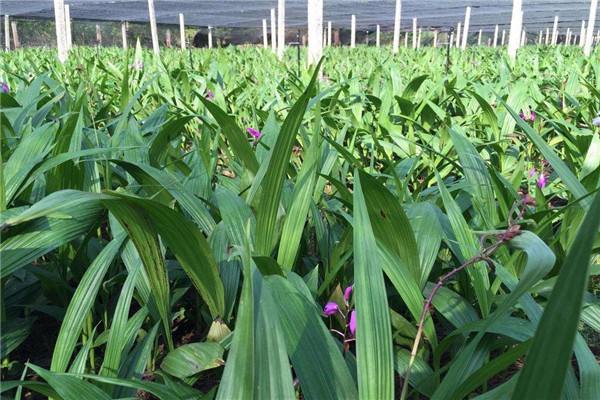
[218,224]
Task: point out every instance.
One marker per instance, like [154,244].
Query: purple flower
[4,87]
[330,309]
[542,181]
[532,172]
[347,293]
[529,117]
[255,133]
[352,323]
[596,121]
[209,95]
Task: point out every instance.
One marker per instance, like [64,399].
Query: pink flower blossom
[352,323]
[330,309]
[255,133]
[542,181]
[347,293]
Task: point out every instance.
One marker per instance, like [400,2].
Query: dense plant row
[220,224]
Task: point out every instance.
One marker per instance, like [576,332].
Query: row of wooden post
[319,38]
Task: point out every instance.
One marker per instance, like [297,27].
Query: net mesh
[238,21]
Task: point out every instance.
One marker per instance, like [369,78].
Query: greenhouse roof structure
[538,14]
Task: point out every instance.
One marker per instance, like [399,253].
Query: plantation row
[220,224]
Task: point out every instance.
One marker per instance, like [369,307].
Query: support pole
[465,34]
[458,32]
[15,34]
[182,31]
[397,13]
[265,38]
[377,36]
[515,30]
[273,31]
[589,35]
[59,21]
[479,38]
[406,39]
[503,37]
[555,31]
[582,35]
[6,33]
[210,39]
[414,35]
[547,42]
[523,38]
[124,34]
[451,41]
[315,31]
[540,37]
[419,39]
[353,32]
[435,39]
[68,36]
[98,35]
[153,29]
[496,36]
[329,34]
[280,28]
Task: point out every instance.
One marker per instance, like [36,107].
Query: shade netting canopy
[538,14]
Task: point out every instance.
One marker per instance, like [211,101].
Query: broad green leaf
[555,335]
[81,304]
[374,353]
[266,216]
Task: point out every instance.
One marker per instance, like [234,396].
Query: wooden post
[465,34]
[328,33]
[15,34]
[273,31]
[458,32]
[124,34]
[496,36]
[315,31]
[280,28]
[98,35]
[435,38]
[555,31]
[210,39]
[336,37]
[153,29]
[514,36]
[414,34]
[377,36]
[396,41]
[503,37]
[59,21]
[479,39]
[589,35]
[68,36]
[6,33]
[168,38]
[182,41]
[353,31]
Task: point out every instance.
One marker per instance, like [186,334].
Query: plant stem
[483,255]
